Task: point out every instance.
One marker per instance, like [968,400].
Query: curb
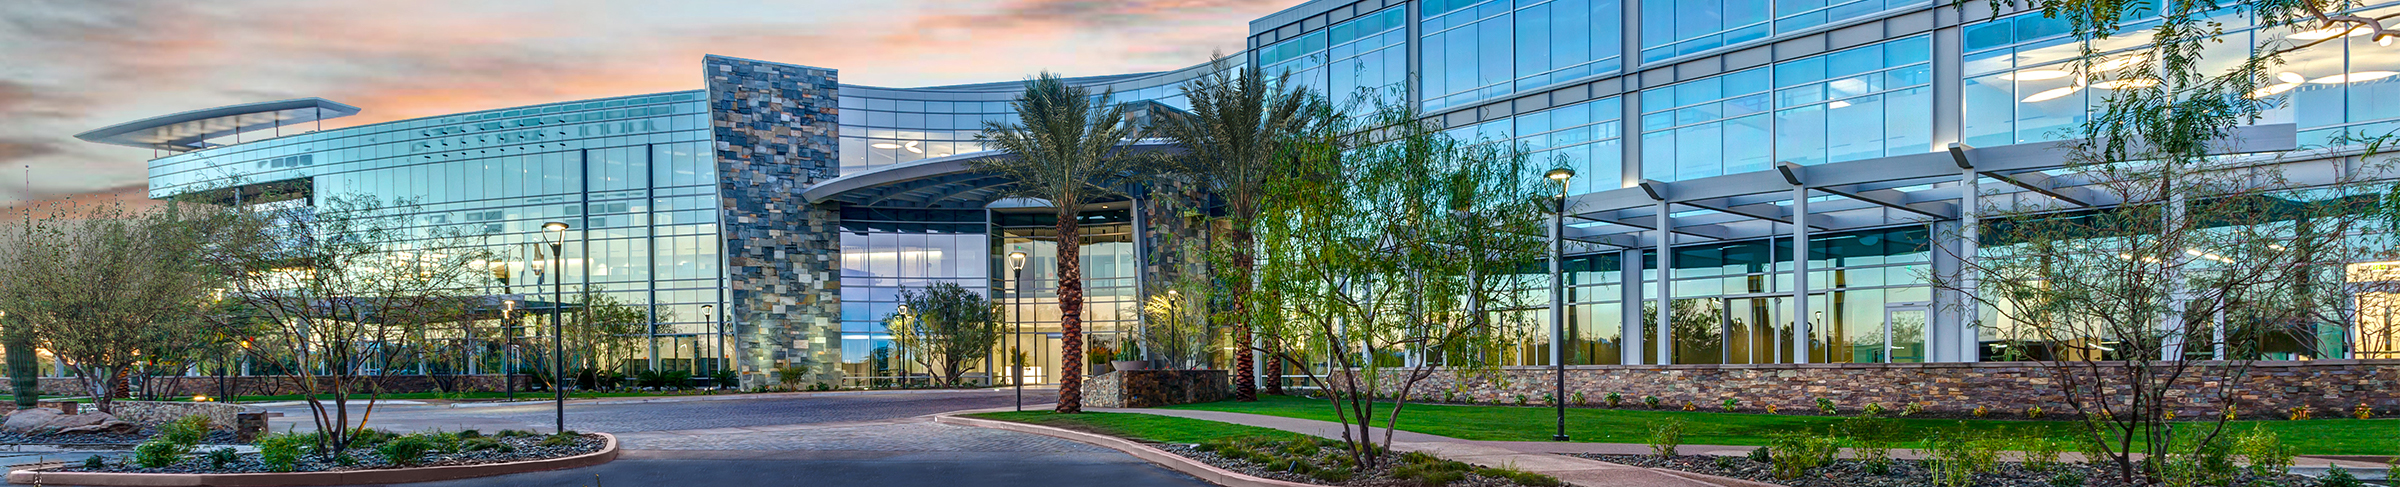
[1205,472]
[36,476]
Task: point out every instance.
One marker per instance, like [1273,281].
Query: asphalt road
[824,439]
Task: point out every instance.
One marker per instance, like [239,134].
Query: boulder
[109,426]
[44,419]
[24,420]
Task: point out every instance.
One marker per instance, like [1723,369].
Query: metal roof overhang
[941,182]
[191,130]
[1869,193]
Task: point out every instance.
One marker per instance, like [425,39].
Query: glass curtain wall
[1111,309]
[1866,102]
[2020,84]
[1474,50]
[1869,303]
[886,252]
[1672,28]
[633,175]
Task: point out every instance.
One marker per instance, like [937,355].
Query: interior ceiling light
[2035,75]
[912,147]
[2053,94]
[2289,80]
[2329,33]
[1838,104]
[2126,83]
[884,145]
[2353,77]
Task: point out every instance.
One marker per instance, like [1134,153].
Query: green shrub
[1872,438]
[1430,471]
[1958,454]
[186,431]
[1651,401]
[481,444]
[1578,397]
[1520,399]
[1826,407]
[563,438]
[1730,404]
[677,379]
[281,453]
[2067,478]
[1665,437]
[1794,454]
[1520,477]
[1727,463]
[2339,477]
[2391,470]
[95,462]
[158,452]
[2041,454]
[2267,454]
[1615,399]
[369,438]
[1761,455]
[724,378]
[405,450]
[506,433]
[468,433]
[223,457]
[1332,475]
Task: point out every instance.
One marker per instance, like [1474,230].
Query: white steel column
[1629,280]
[2172,325]
[1800,325]
[1666,286]
[1970,239]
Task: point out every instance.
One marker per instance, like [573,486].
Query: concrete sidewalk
[1537,457]
[1547,457]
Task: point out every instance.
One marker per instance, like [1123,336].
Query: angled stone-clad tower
[775,131]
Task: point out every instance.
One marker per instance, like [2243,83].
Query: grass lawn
[1145,427]
[1506,423]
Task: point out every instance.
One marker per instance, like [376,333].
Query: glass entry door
[1904,332]
[1757,330]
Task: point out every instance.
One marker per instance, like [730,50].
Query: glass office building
[1708,136]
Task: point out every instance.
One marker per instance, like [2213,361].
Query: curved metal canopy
[941,182]
[191,130]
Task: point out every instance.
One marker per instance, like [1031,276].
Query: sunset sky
[67,66]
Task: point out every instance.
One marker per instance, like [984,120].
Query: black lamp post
[1558,297]
[708,312]
[1016,269]
[508,357]
[556,234]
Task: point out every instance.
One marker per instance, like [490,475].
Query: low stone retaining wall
[220,415]
[2331,388]
[1154,388]
[267,385]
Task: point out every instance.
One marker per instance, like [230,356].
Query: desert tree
[1237,137]
[108,288]
[342,282]
[946,329]
[2108,298]
[1071,148]
[1383,255]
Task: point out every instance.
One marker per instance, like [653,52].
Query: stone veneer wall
[776,133]
[2269,389]
[1154,388]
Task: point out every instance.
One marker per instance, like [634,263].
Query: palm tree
[1241,123]
[1068,147]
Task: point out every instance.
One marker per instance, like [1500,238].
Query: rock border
[1202,470]
[38,476]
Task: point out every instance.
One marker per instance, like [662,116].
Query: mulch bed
[526,448]
[1903,473]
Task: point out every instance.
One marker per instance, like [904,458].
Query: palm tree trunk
[1245,377]
[1070,313]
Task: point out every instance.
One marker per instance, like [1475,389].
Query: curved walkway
[1537,457]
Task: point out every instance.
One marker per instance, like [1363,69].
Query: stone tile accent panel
[776,133]
[1154,388]
[2267,390]
[220,415]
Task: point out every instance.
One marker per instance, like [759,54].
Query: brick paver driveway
[823,439]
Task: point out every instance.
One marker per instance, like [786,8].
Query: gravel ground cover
[520,448]
[1902,473]
[1327,462]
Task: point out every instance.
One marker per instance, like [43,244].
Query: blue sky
[75,65]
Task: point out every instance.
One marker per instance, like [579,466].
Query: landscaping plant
[1665,437]
[1826,407]
[222,458]
[2265,453]
[949,329]
[187,431]
[158,452]
[281,452]
[405,450]
[1615,399]
[1794,453]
